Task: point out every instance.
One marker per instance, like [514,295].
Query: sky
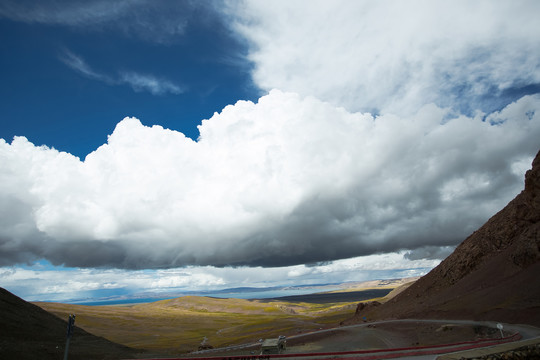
[185,145]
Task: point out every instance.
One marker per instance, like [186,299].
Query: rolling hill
[492,275]
[177,326]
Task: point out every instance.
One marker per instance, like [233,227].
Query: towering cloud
[395,126]
[287,180]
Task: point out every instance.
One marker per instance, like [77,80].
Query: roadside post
[71,324]
[500,327]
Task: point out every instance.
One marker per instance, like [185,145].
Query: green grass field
[179,325]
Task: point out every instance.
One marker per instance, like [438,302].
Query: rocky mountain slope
[493,275]
[29,332]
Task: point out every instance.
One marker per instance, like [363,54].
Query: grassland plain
[177,326]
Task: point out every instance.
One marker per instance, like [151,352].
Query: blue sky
[168,146]
[103,73]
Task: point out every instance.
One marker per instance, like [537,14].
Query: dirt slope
[29,332]
[492,275]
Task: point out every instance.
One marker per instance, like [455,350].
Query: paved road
[526,331]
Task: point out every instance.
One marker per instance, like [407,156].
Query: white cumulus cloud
[288,180]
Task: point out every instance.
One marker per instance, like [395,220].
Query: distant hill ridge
[492,275]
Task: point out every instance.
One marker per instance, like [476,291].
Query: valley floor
[178,326]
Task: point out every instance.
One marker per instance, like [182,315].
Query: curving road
[526,331]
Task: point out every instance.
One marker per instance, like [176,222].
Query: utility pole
[71,324]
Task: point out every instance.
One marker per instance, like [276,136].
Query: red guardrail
[375,354]
[430,350]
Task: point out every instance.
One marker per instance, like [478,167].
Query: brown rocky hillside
[29,332]
[493,275]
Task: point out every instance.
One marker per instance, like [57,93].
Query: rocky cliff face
[513,231]
[492,275]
